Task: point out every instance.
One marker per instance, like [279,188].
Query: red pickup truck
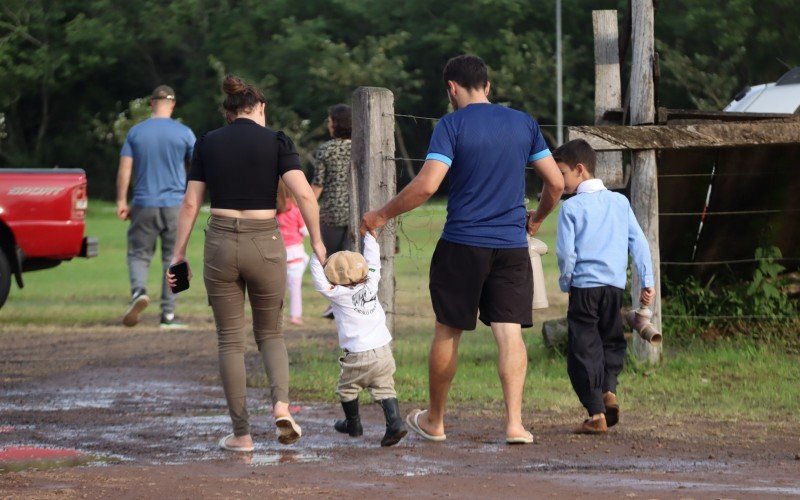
[42,214]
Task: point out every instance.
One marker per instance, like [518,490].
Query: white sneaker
[170,322]
[328,313]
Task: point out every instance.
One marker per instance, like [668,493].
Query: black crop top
[240,165]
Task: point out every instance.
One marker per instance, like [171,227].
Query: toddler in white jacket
[350,281]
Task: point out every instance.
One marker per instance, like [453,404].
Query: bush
[760,309]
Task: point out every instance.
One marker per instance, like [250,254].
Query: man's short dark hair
[574,152]
[468,71]
[341,115]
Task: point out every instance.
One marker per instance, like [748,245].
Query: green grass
[96,290]
[727,379]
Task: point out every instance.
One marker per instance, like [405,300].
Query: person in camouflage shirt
[331,182]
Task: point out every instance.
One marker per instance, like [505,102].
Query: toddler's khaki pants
[372,370]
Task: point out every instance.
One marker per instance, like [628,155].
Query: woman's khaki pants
[247,255]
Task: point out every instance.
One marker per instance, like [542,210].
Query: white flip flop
[288,430]
[412,422]
[223,443]
[520,439]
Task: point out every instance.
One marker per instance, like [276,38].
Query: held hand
[647,296]
[370,222]
[533,227]
[320,251]
[171,279]
[123,212]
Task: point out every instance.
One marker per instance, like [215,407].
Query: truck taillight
[80,202]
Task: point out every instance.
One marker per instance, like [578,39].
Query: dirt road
[144,410]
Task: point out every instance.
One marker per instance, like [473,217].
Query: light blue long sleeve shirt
[596,231]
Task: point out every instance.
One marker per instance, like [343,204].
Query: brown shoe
[612,408]
[590,426]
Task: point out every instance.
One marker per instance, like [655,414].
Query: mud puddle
[688,487]
[668,465]
[20,458]
[146,417]
[136,416]
[158,405]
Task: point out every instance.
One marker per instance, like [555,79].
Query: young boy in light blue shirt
[596,231]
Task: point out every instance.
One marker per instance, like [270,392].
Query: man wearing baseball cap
[156,156]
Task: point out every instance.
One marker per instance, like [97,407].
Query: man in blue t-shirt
[481,263]
[156,152]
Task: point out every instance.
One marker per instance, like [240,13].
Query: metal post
[559,83]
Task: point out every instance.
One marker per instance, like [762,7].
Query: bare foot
[296,320]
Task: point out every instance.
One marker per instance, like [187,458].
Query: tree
[69,68]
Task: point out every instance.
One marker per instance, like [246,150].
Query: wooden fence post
[607,90]
[644,180]
[373,179]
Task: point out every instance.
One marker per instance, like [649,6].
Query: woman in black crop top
[240,165]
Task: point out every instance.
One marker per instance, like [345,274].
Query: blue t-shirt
[159,147]
[487,147]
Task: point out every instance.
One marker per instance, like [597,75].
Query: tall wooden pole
[607,90]
[644,181]
[373,179]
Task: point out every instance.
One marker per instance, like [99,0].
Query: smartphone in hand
[181,273]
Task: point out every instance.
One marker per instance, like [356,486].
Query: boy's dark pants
[597,345]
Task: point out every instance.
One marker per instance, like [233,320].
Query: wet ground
[136,413]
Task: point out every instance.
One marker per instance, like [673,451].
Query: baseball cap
[346,268]
[163,92]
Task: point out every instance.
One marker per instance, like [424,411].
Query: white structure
[782,96]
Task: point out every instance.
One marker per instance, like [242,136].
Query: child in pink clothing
[293,229]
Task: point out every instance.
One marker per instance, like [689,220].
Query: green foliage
[115,129]
[763,292]
[760,309]
[710,49]
[69,68]
[709,82]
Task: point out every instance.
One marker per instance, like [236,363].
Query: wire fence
[413,117]
[735,317]
[749,318]
[732,212]
[726,262]
[691,263]
[390,158]
[727,174]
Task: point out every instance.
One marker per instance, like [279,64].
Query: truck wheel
[5,278]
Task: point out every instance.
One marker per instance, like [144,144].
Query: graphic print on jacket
[364,303]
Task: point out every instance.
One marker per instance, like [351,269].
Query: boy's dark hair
[468,71]
[341,114]
[574,152]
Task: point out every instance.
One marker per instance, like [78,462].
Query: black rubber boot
[395,427]
[352,423]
